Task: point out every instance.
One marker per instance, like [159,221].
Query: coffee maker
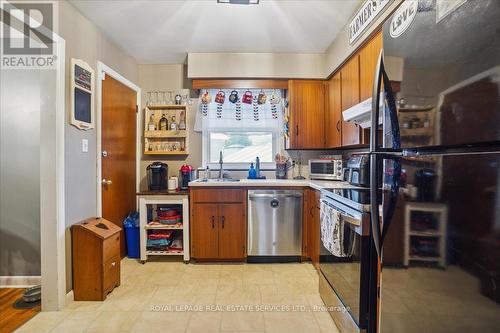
[186,174]
[157,173]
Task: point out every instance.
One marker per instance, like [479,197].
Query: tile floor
[162,297]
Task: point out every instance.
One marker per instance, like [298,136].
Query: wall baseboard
[70,298]
[19,281]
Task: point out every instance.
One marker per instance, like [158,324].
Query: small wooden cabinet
[96,259]
[307,114]
[218,224]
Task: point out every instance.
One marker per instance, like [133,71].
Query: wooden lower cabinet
[232,231]
[314,228]
[218,229]
[205,231]
[311,226]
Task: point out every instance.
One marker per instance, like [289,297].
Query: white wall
[255,65]
[165,78]
[84,41]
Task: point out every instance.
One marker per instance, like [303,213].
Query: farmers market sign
[364,17]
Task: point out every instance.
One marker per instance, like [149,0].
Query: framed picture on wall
[82,95]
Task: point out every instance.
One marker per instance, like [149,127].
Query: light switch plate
[85,146]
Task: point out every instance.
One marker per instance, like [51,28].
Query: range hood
[361,113]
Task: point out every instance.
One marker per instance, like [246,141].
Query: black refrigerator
[437,227]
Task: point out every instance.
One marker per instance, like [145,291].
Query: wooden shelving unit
[424,117]
[152,202]
[436,234]
[166,142]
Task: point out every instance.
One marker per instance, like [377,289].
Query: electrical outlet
[85,146]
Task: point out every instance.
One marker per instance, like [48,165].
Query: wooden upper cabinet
[333,113]
[351,133]
[368,57]
[307,113]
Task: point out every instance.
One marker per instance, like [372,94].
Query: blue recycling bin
[131,225]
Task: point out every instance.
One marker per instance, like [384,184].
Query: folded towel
[332,230]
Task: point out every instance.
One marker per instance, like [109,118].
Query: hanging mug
[261,99]
[275,98]
[233,97]
[247,97]
[205,98]
[220,97]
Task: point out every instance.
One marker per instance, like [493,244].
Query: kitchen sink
[219,180]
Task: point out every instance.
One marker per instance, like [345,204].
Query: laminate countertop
[315,184]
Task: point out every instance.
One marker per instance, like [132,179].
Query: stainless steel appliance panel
[275,222]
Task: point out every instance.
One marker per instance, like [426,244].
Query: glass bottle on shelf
[163,124]
[182,120]
[173,124]
[427,122]
[151,123]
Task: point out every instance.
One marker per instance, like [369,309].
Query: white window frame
[205,140]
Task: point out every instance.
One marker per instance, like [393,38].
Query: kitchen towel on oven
[332,229]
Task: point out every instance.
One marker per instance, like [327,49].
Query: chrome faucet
[221,171]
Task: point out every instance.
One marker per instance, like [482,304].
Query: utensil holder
[281,170]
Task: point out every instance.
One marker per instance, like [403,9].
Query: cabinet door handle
[222,220]
[338,126]
[297,130]
[213,222]
[311,211]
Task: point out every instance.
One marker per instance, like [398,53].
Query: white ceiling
[165,31]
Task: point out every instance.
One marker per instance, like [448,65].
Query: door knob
[104,153]
[106,181]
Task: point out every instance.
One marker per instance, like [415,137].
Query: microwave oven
[327,169]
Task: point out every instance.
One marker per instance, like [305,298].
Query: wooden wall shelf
[179,153]
[167,107]
[165,134]
[239,84]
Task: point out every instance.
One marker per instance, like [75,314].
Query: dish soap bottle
[252,173]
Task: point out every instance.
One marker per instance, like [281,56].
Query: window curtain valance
[240,110]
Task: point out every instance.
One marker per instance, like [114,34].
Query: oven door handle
[344,216]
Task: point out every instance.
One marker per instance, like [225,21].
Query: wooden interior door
[333,114]
[307,110]
[205,231]
[232,231]
[119,107]
[350,96]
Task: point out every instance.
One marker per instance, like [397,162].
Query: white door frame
[102,71]
[52,194]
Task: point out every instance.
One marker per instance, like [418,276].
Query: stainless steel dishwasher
[274,225]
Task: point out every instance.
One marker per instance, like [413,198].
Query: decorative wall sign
[403,18]
[82,95]
[364,17]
